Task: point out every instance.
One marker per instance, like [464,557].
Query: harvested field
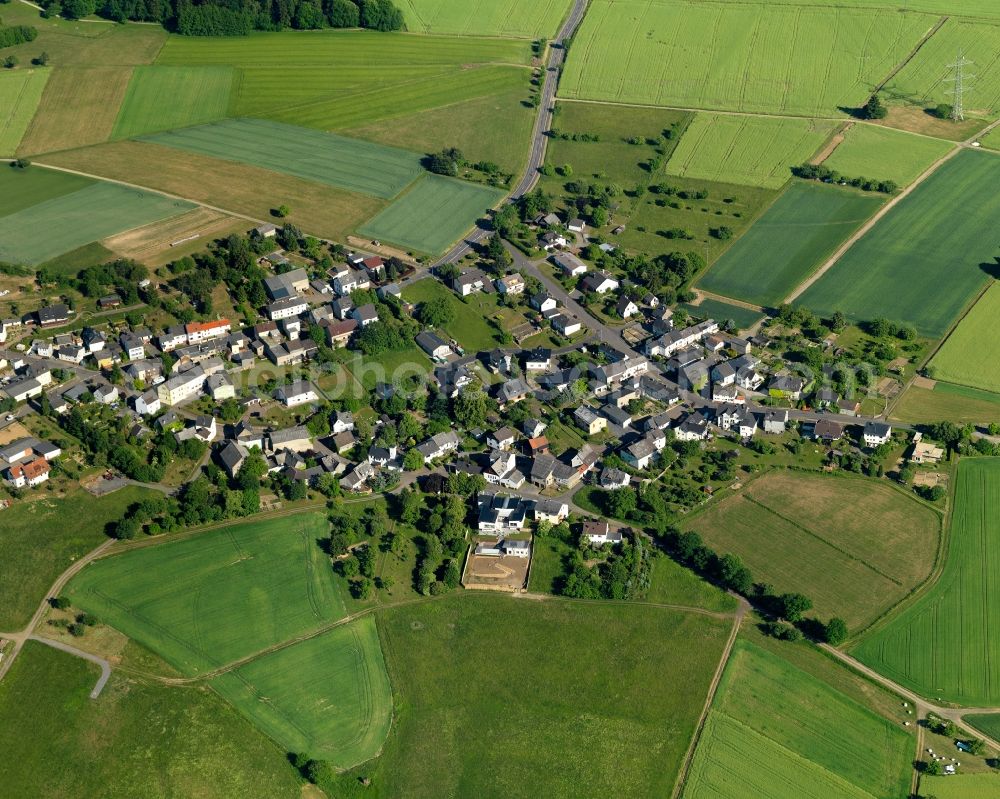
[20,93]
[79,107]
[756,151]
[945,645]
[816,535]
[150,244]
[316,208]
[348,164]
[197,95]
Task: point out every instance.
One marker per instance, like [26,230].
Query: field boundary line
[713,688]
[841,251]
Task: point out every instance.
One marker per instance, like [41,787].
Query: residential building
[286,308]
[29,474]
[469,281]
[566,325]
[499,512]
[543,301]
[297,393]
[776,422]
[550,510]
[570,265]
[625,308]
[53,315]
[538,360]
[439,445]
[876,433]
[599,283]
[510,285]
[614,478]
[204,331]
[431,343]
[146,403]
[503,438]
[181,386]
[365,315]
[220,386]
[599,533]
[287,284]
[588,419]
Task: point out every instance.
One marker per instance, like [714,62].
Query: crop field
[404,96]
[20,93]
[736,56]
[222,595]
[78,107]
[643,722]
[151,244]
[885,154]
[758,151]
[923,80]
[40,539]
[72,220]
[962,358]
[23,188]
[961,786]
[922,263]
[968,8]
[433,214]
[328,696]
[139,739]
[527,19]
[947,401]
[311,155]
[816,535]
[945,645]
[317,208]
[793,237]
[196,95]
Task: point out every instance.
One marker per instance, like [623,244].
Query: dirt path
[713,688]
[833,144]
[708,295]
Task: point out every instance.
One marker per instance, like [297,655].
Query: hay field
[946,401]
[150,244]
[208,600]
[792,238]
[969,355]
[922,262]
[20,93]
[161,98]
[433,214]
[945,645]
[348,164]
[526,19]
[757,57]
[885,154]
[816,535]
[23,188]
[328,696]
[756,151]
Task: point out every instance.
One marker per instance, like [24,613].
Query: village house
[204,331]
[775,422]
[28,475]
[287,284]
[588,419]
[53,315]
[438,445]
[543,301]
[876,433]
[538,360]
[598,283]
[297,393]
[566,325]
[599,533]
[510,285]
[181,386]
[552,240]
[614,478]
[365,314]
[469,281]
[550,510]
[503,438]
[570,265]
[499,512]
[436,347]
[286,308]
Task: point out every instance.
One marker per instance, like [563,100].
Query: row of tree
[828,175]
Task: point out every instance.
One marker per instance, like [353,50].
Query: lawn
[72,220]
[213,598]
[469,327]
[348,164]
[20,93]
[922,262]
[962,358]
[946,401]
[710,308]
[816,535]
[40,539]
[527,19]
[757,151]
[140,740]
[328,696]
[945,645]
[923,80]
[470,125]
[592,677]
[433,214]
[316,208]
[789,242]
[197,95]
[885,154]
[23,188]
[78,107]
[753,57]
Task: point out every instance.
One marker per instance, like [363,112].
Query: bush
[942,111]
[17,34]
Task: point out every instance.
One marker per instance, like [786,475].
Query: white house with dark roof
[297,393]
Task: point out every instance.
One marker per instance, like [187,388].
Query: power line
[960,87]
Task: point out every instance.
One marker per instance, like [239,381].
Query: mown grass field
[527,19]
[78,107]
[962,786]
[328,696]
[69,221]
[348,164]
[816,535]
[944,646]
[20,93]
[139,740]
[721,311]
[161,98]
[40,539]
[432,214]
[789,241]
[778,731]
[963,358]
[672,584]
[885,154]
[971,8]
[469,327]
[736,56]
[23,188]
[922,262]
[948,402]
[757,151]
[923,80]
[207,600]
[592,677]
[317,208]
